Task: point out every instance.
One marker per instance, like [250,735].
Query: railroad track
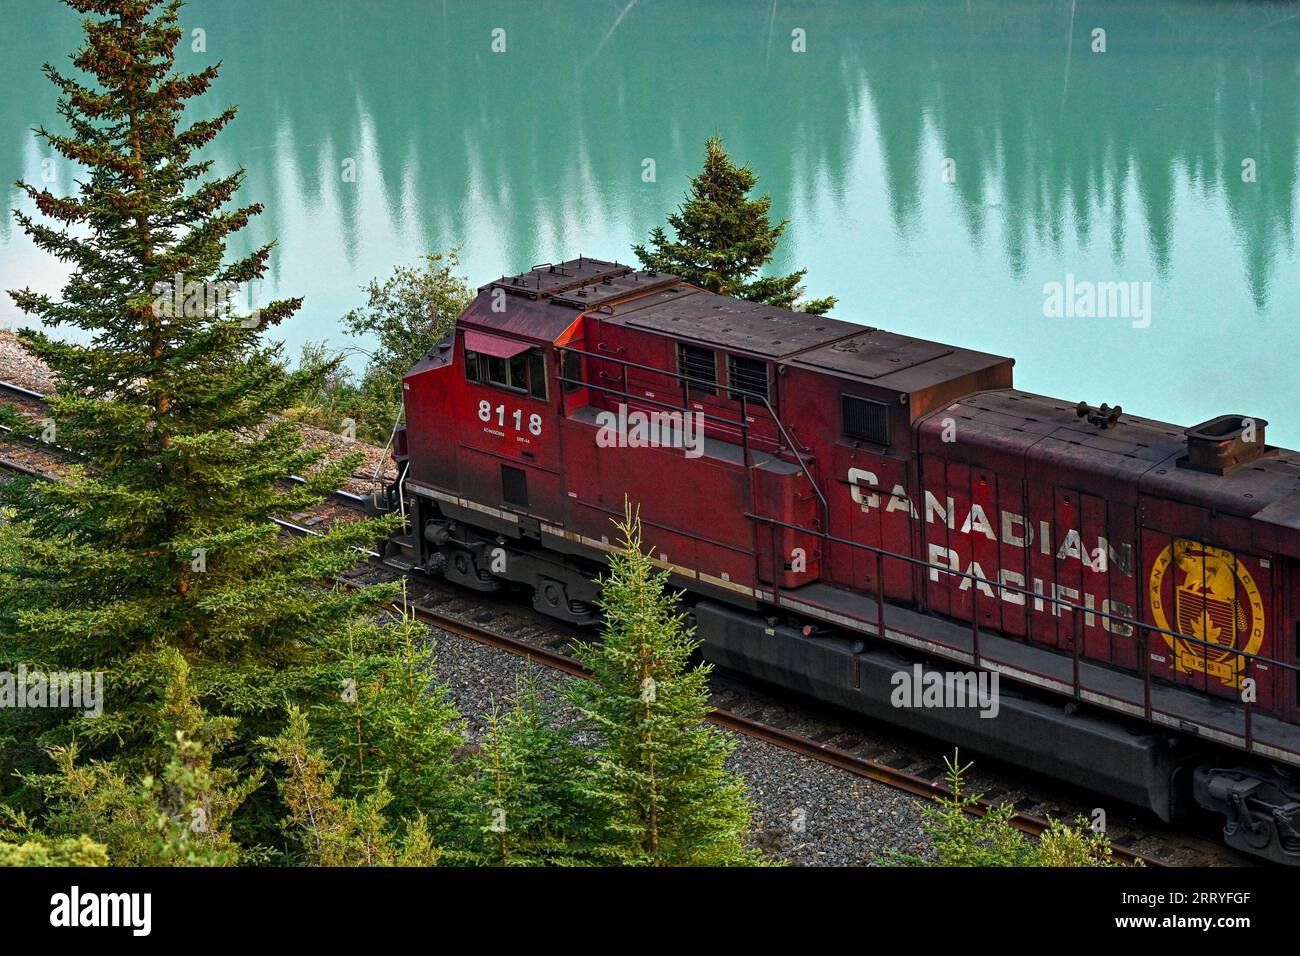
[930,788]
[27,396]
[18,391]
[738,723]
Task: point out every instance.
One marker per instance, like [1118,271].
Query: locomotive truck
[840,505]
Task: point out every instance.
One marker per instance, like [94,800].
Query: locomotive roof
[549,278]
[526,317]
[888,359]
[544,301]
[694,315]
[1135,452]
[899,362]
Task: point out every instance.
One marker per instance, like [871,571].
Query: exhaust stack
[1223,443]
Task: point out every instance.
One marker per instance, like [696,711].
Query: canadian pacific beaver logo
[1215,600]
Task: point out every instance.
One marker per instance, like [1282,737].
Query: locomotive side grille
[747,376]
[865,419]
[698,363]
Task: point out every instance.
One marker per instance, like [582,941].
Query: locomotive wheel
[461,568]
[551,596]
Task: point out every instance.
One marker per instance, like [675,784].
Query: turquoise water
[1122,165]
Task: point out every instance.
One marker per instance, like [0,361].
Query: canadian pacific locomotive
[843,505]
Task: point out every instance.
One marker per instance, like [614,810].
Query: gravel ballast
[806,813]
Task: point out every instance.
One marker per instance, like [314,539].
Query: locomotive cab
[531,421]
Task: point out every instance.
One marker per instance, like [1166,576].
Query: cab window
[525,372]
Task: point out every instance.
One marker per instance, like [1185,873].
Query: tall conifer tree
[394,723]
[163,537]
[524,806]
[723,238]
[178,817]
[658,769]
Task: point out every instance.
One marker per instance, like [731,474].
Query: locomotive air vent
[1223,443]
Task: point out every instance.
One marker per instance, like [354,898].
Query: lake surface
[1168,161]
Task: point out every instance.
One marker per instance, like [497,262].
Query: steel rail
[932,790]
[349,498]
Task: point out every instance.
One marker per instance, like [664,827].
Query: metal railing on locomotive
[400,481]
[683,381]
[1246,661]
[376,480]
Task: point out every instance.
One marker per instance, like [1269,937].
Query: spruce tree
[393,724]
[334,829]
[963,833]
[163,536]
[723,238]
[657,769]
[180,817]
[524,806]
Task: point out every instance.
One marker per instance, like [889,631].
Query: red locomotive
[844,505]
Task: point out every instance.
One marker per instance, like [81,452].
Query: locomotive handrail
[826,510]
[648,368]
[646,401]
[1141,631]
[921,562]
[683,380]
[392,437]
